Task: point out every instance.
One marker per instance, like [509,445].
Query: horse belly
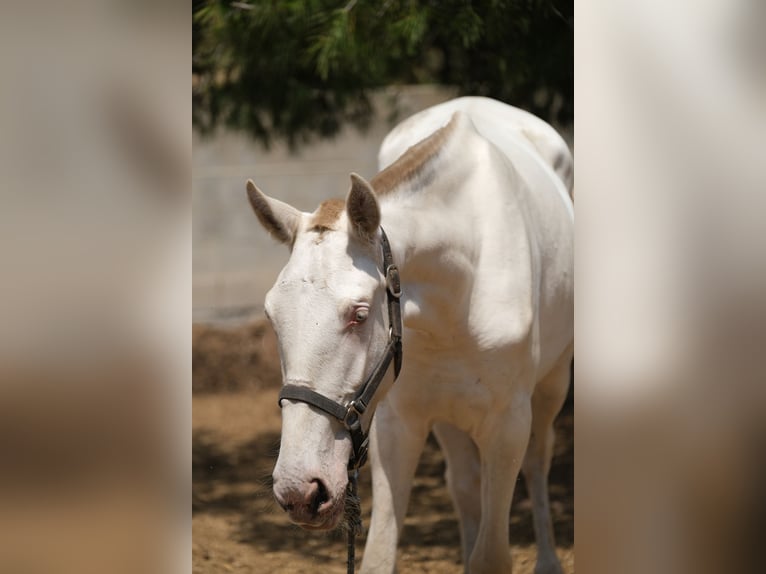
[553,234]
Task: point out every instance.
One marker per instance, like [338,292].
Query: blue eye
[360,315]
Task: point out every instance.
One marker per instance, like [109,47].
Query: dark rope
[353,518]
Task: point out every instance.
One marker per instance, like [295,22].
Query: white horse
[474,197]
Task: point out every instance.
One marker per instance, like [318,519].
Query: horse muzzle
[309,504]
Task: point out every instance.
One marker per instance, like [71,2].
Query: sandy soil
[236,525]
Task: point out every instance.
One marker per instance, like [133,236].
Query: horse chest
[444,387]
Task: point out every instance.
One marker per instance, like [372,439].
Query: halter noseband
[350,415]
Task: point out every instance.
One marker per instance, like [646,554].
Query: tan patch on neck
[326,215]
[412,161]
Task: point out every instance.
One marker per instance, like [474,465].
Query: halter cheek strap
[351,413]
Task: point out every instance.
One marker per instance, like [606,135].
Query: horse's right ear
[280,219]
[362,208]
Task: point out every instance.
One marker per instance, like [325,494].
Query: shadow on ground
[234,480]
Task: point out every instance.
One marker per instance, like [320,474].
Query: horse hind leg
[547,399]
[463,476]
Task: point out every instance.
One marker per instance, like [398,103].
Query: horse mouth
[327,517]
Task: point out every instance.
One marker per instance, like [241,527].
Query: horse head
[328,309]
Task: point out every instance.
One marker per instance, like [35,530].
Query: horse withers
[473,203]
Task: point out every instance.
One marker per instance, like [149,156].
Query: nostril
[319,495]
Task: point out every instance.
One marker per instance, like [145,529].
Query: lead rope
[353,519]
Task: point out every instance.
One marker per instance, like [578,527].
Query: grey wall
[235,261]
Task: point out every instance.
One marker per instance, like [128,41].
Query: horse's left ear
[362,208]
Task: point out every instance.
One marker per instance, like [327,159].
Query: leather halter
[350,414]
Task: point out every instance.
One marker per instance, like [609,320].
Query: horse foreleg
[502,440]
[395,449]
[463,476]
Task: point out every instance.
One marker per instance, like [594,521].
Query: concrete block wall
[234,261]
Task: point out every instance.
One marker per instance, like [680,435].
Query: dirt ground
[236,525]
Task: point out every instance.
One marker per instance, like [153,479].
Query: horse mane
[413,161]
[410,165]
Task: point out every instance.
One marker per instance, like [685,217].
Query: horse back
[520,221]
[498,122]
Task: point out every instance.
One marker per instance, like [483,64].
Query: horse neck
[429,227]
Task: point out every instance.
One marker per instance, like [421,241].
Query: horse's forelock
[326,216]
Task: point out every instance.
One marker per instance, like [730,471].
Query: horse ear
[280,219]
[362,208]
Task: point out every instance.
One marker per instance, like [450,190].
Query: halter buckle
[352,420]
